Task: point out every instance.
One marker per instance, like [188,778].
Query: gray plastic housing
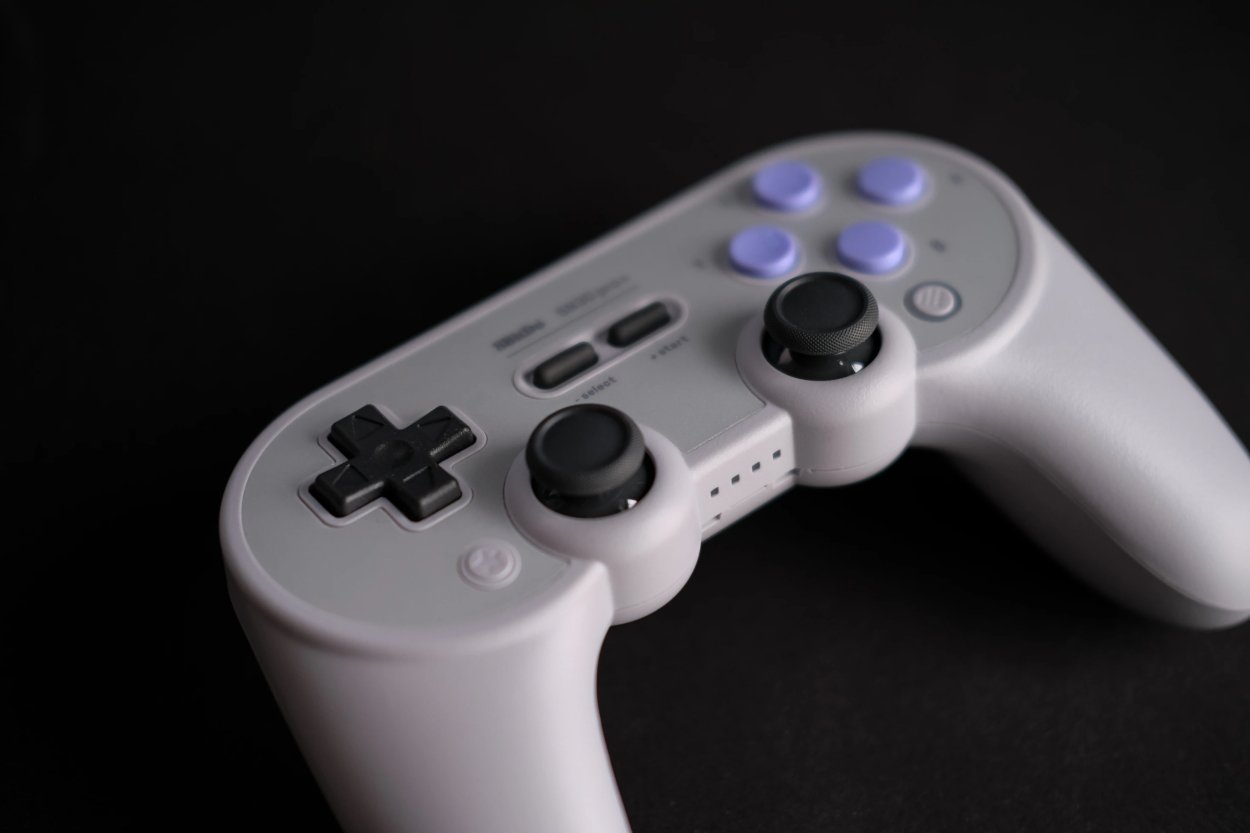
[425,701]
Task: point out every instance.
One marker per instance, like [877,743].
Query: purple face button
[891,180]
[763,251]
[872,247]
[787,186]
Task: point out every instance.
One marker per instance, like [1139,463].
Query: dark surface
[564,365]
[585,451]
[639,324]
[196,198]
[821,326]
[400,464]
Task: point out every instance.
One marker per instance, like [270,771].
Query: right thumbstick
[821,325]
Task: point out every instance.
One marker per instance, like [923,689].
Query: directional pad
[400,464]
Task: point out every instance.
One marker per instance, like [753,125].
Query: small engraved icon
[489,562]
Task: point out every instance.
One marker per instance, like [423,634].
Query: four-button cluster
[869,247]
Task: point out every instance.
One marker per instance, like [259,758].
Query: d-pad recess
[400,464]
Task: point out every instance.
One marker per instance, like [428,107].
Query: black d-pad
[400,464]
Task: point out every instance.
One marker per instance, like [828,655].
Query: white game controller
[427,553]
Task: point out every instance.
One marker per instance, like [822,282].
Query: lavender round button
[763,251]
[787,186]
[872,247]
[891,180]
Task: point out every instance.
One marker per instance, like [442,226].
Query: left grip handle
[502,738]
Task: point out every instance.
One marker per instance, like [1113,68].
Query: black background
[212,212]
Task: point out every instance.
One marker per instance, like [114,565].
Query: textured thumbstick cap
[585,450]
[821,314]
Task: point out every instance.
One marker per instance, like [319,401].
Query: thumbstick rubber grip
[821,326]
[821,314]
[585,457]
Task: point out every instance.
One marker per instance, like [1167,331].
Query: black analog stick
[822,325]
[588,461]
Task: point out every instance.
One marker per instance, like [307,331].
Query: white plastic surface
[486,732]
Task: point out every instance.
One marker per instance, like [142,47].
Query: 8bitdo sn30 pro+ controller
[427,553]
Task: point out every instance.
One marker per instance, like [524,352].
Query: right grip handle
[1095,441]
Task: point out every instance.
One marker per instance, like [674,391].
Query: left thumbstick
[588,461]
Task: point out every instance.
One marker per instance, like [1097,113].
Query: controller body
[433,647]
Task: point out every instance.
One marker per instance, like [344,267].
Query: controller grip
[498,733]
[1098,444]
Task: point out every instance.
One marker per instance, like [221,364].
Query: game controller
[427,553]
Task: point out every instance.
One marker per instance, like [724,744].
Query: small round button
[933,301]
[872,247]
[763,251]
[891,180]
[490,564]
[787,186]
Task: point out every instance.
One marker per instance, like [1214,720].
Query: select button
[638,325]
[564,365]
